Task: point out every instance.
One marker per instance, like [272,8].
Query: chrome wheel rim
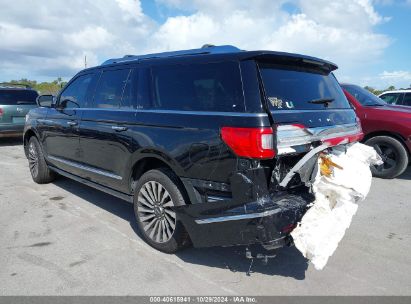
[33,160]
[154,208]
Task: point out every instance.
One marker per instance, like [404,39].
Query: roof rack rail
[14,85]
[205,49]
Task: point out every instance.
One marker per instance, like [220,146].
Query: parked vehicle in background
[15,102]
[386,127]
[397,97]
[198,140]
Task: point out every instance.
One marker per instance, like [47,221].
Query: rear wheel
[392,152]
[156,194]
[39,170]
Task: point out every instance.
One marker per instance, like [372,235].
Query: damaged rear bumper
[267,221]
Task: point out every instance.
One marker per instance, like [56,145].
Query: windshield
[15,97]
[289,88]
[364,97]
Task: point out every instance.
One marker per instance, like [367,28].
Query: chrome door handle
[118,128]
[72,123]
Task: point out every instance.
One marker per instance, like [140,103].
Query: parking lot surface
[65,238]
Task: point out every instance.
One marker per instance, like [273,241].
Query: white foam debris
[336,197]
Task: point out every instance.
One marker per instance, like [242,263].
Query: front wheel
[156,194]
[39,170]
[393,154]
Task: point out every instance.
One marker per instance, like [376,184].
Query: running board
[121,195]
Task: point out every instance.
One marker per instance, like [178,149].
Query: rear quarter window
[198,87]
[16,97]
[293,88]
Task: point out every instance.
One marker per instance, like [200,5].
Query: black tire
[39,170]
[154,210]
[393,153]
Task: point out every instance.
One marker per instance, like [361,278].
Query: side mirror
[45,100]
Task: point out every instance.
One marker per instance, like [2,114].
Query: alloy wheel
[388,155]
[154,207]
[33,160]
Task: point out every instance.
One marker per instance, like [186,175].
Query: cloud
[398,78]
[50,39]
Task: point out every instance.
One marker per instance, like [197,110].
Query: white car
[397,97]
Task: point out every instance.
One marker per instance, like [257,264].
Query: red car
[387,128]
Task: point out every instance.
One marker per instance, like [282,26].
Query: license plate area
[18,119]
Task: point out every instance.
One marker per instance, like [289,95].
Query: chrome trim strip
[212,198]
[237,217]
[208,113]
[86,168]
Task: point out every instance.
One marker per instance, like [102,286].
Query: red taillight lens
[249,142]
[1,112]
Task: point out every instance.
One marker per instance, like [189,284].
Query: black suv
[200,141]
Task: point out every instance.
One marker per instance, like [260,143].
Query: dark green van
[15,102]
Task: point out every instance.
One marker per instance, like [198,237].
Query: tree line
[378,92]
[44,87]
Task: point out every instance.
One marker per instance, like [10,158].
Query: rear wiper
[324,101]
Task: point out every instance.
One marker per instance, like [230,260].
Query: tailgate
[307,106]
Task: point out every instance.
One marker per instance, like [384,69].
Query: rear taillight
[250,142]
[1,112]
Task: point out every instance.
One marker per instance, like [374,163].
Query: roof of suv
[228,52]
[397,91]
[14,86]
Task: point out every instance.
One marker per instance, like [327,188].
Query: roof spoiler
[205,49]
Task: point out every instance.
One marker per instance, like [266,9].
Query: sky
[369,40]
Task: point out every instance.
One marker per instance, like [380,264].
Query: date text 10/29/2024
[205,299]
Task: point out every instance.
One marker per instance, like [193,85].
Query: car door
[104,128]
[61,126]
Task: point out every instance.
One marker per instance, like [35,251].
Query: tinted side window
[391,98]
[407,99]
[198,87]
[110,88]
[75,94]
[16,97]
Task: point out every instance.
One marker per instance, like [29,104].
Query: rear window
[16,97]
[198,87]
[292,88]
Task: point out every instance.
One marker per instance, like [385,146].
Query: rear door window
[407,99]
[198,87]
[18,97]
[391,98]
[110,88]
[292,88]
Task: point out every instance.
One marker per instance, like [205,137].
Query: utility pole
[85,61]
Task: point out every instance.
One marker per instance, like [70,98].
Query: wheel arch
[154,161]
[29,133]
[394,135]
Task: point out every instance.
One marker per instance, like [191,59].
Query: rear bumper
[11,130]
[267,221]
